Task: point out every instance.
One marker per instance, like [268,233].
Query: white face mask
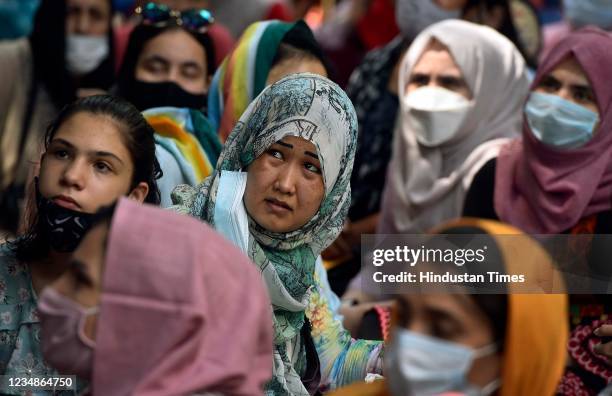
[85,53]
[420,365]
[230,216]
[413,16]
[436,114]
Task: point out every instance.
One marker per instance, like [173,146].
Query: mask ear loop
[491,387]
[486,350]
[81,329]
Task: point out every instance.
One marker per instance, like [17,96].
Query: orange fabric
[376,388]
[537,331]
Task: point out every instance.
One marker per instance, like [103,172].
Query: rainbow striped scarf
[242,75]
[188,136]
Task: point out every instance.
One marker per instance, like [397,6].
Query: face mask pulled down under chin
[64,343]
[435,114]
[64,228]
[419,365]
[558,122]
[230,216]
[85,53]
[147,95]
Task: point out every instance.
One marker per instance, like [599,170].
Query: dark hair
[507,27]
[137,133]
[300,44]
[48,44]
[139,37]
[494,306]
[138,137]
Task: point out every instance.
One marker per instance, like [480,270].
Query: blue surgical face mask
[416,364]
[558,122]
[588,12]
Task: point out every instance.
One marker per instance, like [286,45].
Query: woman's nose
[564,93]
[83,24]
[286,180]
[74,175]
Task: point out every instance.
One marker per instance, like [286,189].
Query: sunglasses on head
[161,15]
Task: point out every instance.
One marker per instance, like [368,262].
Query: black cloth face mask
[64,228]
[146,95]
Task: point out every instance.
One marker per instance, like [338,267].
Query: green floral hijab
[314,108]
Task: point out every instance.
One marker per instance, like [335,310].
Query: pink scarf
[541,189]
[182,310]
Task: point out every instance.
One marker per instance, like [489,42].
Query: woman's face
[82,281]
[436,68]
[285,185]
[292,66]
[454,318]
[569,82]
[87,165]
[88,17]
[174,56]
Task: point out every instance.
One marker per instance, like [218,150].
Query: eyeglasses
[161,15]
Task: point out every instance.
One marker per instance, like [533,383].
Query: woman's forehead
[299,143]
[570,69]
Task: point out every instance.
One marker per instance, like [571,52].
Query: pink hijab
[182,310]
[540,189]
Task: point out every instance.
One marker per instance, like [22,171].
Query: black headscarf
[300,37]
[48,43]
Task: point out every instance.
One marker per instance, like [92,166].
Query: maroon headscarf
[541,189]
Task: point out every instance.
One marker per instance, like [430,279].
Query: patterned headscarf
[314,108]
[244,72]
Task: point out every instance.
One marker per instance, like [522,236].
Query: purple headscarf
[542,189]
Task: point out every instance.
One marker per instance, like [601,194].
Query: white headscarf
[427,185]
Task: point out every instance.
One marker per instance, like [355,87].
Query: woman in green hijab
[281,192]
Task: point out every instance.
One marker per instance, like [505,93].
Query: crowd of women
[184,186]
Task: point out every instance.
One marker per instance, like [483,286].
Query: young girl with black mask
[80,172]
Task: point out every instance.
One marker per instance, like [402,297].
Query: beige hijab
[427,185]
